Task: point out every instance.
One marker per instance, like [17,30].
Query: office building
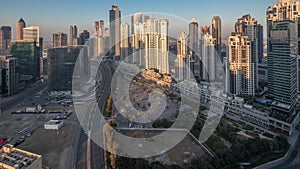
[20,26]
[60,39]
[217,33]
[9,70]
[240,70]
[61,63]
[281,11]
[115,33]
[282,66]
[83,37]
[14,158]
[5,38]
[284,10]
[73,35]
[32,33]
[125,35]
[208,55]
[193,38]
[28,54]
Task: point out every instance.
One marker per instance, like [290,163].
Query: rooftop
[21,20]
[16,158]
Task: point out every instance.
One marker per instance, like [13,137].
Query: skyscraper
[184,61]
[124,40]
[193,38]
[115,33]
[282,65]
[20,25]
[217,33]
[260,42]
[156,43]
[284,10]
[83,37]
[249,27]
[9,83]
[60,39]
[208,55]
[28,54]
[99,28]
[240,67]
[5,38]
[136,18]
[32,33]
[73,35]
[61,63]
[137,44]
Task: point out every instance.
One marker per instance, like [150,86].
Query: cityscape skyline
[207,84]
[98,11]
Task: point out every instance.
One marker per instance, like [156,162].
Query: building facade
[20,26]
[248,26]
[125,36]
[60,39]
[184,61]
[208,55]
[193,38]
[61,63]
[241,67]
[217,33]
[115,33]
[32,33]
[28,54]
[5,38]
[9,75]
[282,66]
[156,44]
[73,39]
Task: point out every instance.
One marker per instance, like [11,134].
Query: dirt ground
[53,145]
[181,154]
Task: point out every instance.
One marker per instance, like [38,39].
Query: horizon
[84,19]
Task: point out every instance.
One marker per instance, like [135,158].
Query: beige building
[32,33]
[14,158]
[241,69]
[20,25]
[156,43]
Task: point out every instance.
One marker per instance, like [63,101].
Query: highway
[97,153]
[89,154]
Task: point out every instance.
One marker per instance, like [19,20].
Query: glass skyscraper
[28,54]
[282,75]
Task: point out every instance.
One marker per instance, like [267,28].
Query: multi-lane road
[90,155]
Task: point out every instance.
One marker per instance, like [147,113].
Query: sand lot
[53,145]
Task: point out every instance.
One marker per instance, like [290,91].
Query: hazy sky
[57,15]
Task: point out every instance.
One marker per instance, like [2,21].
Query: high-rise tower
[115,33]
[20,25]
[241,72]
[217,33]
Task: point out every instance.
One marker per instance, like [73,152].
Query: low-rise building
[53,124]
[14,158]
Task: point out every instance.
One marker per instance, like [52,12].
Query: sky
[57,15]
